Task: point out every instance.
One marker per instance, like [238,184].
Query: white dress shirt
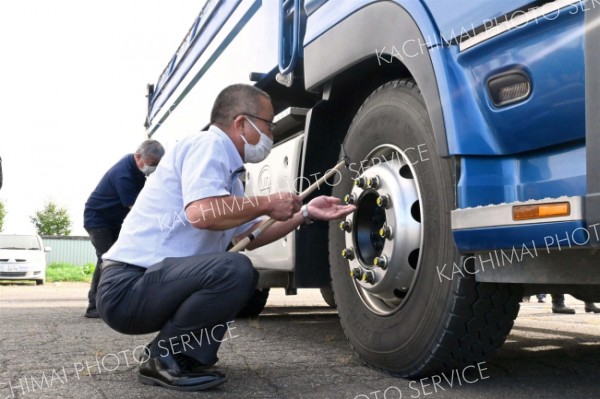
[202,165]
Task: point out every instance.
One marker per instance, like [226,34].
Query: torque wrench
[243,243]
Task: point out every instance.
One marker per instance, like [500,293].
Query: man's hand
[328,208]
[283,206]
[320,208]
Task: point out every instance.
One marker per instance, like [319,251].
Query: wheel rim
[385,235]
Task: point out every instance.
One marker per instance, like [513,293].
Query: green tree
[52,220]
[2,215]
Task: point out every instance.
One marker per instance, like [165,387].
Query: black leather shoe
[561,308]
[168,373]
[591,308]
[191,365]
[91,314]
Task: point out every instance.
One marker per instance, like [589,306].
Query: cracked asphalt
[295,349]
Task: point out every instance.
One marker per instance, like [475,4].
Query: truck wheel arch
[346,45]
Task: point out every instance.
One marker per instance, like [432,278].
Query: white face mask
[148,170]
[255,153]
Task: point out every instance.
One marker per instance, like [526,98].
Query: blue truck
[472,133]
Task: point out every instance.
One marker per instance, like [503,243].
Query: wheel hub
[384,236]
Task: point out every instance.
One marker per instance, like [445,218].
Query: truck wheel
[327,294]
[255,304]
[400,309]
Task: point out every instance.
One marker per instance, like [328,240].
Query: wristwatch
[304,210]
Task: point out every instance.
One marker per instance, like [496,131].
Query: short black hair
[236,100]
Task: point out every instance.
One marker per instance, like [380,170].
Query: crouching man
[169,270]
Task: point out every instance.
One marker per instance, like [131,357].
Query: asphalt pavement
[295,349]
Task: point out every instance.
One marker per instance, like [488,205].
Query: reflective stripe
[501,215]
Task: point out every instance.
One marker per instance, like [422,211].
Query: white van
[22,257]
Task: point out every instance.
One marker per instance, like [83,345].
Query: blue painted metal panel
[563,235]
[551,53]
[550,50]
[533,149]
[451,17]
[456,16]
[495,180]
[333,12]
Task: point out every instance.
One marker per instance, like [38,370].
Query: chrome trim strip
[515,23]
[501,215]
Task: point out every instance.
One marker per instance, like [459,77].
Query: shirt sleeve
[127,190]
[204,171]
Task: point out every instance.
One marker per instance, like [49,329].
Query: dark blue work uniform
[106,209]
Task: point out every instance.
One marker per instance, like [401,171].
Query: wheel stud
[383,201]
[385,232]
[368,276]
[356,273]
[346,226]
[373,182]
[349,199]
[381,261]
[348,253]
[361,182]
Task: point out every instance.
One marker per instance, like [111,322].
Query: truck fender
[380,30]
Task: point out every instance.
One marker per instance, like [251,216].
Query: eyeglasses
[270,124]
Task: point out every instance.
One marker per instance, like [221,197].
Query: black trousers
[102,239]
[188,300]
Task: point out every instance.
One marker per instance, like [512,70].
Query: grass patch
[69,273]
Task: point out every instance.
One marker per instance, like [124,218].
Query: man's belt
[106,263]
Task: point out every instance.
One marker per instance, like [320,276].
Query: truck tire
[327,294]
[255,304]
[407,314]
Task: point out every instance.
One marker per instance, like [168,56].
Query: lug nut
[349,199]
[373,182]
[381,261]
[385,232]
[346,226]
[383,201]
[361,182]
[356,273]
[368,277]
[348,253]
